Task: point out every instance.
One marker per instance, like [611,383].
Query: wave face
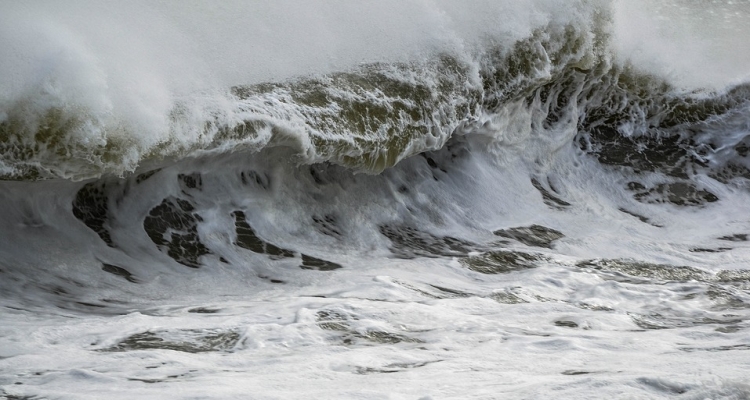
[393,189]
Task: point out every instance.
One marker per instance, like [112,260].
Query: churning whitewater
[418,199]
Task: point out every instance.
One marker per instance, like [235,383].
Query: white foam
[558,330]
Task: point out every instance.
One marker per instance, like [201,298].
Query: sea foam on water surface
[420,199]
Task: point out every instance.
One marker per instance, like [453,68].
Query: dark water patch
[566,324]
[716,349]
[332,320]
[54,289]
[146,380]
[321,174]
[705,250]
[114,301]
[391,368]
[58,291]
[501,262]
[272,280]
[173,227]
[663,386]
[188,341]
[73,282]
[192,181]
[728,329]
[92,305]
[737,237]
[142,177]
[368,371]
[507,298]
[572,372]
[436,292]
[550,199]
[258,179]
[317,264]
[742,148]
[203,310]
[533,333]
[731,173]
[641,269]
[7,396]
[650,154]
[248,239]
[454,151]
[383,337]
[534,235]
[78,299]
[91,207]
[725,298]
[677,193]
[433,166]
[635,186]
[165,379]
[734,276]
[452,293]
[642,218]
[105,308]
[424,292]
[408,242]
[592,307]
[642,123]
[657,321]
[115,270]
[327,225]
[432,163]
[339,322]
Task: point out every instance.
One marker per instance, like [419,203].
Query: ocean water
[420,199]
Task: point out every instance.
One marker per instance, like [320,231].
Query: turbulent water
[396,199]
